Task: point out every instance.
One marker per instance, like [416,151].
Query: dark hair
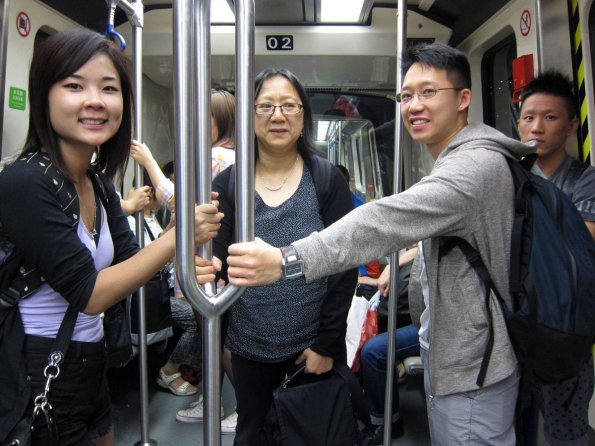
[146,179]
[305,143]
[553,83]
[344,171]
[58,57]
[440,56]
[168,169]
[223,109]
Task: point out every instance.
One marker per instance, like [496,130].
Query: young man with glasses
[468,194]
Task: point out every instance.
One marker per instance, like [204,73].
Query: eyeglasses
[425,94]
[269,109]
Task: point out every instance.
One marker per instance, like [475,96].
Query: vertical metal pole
[539,31]
[394,258]
[202,144]
[137,51]
[244,120]
[4,9]
[192,80]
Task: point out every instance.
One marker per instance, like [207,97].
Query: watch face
[293,270]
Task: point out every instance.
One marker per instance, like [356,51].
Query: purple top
[43,311]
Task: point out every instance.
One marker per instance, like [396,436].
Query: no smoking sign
[525,23]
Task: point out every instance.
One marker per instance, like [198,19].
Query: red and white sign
[23,24]
[525,23]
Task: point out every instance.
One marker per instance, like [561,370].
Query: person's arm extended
[127,276]
[57,253]
[164,188]
[143,156]
[435,205]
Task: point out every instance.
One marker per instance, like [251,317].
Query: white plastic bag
[355,324]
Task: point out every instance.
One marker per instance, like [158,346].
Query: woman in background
[222,155]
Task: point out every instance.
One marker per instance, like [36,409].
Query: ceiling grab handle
[193,148]
[110,30]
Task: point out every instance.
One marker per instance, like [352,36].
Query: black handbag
[317,410]
[116,331]
[22,433]
[157,294]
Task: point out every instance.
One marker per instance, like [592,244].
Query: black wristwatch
[292,266]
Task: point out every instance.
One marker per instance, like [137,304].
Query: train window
[496,77]
[346,128]
[351,130]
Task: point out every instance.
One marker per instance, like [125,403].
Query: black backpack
[552,280]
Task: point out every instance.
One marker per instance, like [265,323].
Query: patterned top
[221,158]
[275,322]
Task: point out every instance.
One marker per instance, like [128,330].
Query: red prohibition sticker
[23,24]
[525,23]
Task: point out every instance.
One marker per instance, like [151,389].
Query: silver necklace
[90,218]
[275,189]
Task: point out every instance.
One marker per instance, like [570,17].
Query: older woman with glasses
[273,328]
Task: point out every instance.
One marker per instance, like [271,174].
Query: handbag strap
[52,371]
[360,405]
[149,232]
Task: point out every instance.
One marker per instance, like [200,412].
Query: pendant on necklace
[274,189]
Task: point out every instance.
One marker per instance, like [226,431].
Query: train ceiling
[462,16]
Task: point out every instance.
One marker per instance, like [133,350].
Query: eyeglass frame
[280,107]
[420,95]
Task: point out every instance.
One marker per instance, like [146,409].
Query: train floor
[164,430]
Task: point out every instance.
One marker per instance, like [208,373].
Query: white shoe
[194,414]
[228,424]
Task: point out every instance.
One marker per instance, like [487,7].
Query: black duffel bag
[317,410]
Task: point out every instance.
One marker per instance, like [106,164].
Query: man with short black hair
[468,194]
[548,118]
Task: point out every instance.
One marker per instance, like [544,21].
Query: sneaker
[396,432]
[193,414]
[228,424]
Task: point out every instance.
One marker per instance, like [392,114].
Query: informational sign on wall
[23,24]
[17,98]
[280,43]
[525,23]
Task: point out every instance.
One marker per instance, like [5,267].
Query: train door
[23,23]
[496,73]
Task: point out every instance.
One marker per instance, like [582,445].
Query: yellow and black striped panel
[579,68]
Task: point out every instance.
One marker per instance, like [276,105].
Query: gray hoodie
[468,194]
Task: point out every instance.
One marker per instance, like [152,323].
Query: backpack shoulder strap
[322,172]
[481,270]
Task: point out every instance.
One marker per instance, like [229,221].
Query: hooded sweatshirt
[468,194]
